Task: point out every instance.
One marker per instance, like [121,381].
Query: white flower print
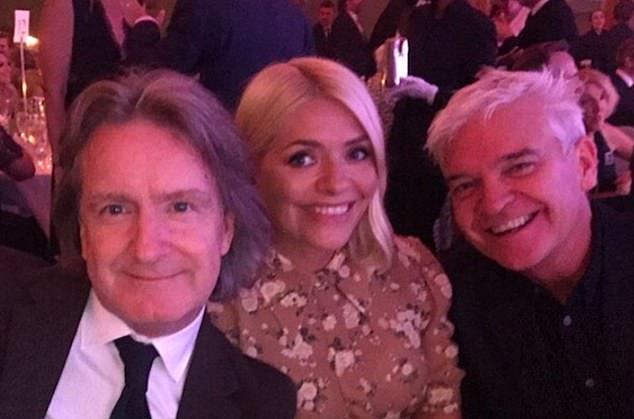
[306,395]
[409,323]
[249,300]
[351,316]
[445,286]
[343,359]
[329,322]
[293,299]
[300,350]
[271,288]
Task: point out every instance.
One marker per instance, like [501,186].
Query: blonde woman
[598,101]
[355,315]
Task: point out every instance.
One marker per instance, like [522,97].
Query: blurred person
[621,31]
[548,20]
[156,213]
[349,40]
[623,80]
[449,43]
[323,29]
[5,42]
[81,42]
[598,101]
[354,314]
[550,56]
[542,289]
[223,42]
[594,45]
[394,18]
[509,17]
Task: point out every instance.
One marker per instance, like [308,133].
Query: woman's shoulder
[414,262]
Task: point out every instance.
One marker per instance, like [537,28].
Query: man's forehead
[508,131]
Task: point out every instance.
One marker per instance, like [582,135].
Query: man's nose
[495,196]
[150,241]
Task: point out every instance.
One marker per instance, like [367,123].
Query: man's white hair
[497,89]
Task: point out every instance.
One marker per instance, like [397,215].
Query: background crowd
[239,155]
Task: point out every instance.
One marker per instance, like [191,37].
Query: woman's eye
[301,159]
[359,153]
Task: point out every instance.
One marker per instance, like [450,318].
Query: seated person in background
[543,290]
[593,45]
[623,81]
[598,101]
[551,56]
[621,31]
[155,212]
[13,160]
[356,315]
[17,230]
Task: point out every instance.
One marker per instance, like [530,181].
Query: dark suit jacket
[507,374]
[350,46]
[619,33]
[39,316]
[624,112]
[322,42]
[225,41]
[553,22]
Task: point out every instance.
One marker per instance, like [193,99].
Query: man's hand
[133,12]
[413,87]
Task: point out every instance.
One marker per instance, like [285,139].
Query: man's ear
[228,233]
[586,153]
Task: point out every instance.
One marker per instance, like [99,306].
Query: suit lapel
[212,382]
[40,337]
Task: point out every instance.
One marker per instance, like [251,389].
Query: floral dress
[357,344]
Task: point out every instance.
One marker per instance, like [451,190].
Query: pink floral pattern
[357,344]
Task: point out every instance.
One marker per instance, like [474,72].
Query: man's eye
[461,190]
[301,159]
[111,209]
[181,206]
[520,169]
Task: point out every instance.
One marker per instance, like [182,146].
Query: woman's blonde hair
[282,88]
[590,76]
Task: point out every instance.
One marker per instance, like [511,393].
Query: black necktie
[137,359]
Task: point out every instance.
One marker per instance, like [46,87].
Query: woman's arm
[618,140]
[56,32]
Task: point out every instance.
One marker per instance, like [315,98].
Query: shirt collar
[538,6]
[626,77]
[101,327]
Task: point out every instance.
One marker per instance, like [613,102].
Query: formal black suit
[624,112]
[350,46]
[509,374]
[322,41]
[39,315]
[615,37]
[594,46]
[225,41]
[553,22]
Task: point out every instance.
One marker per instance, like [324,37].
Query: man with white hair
[543,288]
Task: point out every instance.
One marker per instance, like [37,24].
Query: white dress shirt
[93,378]
[625,77]
[538,6]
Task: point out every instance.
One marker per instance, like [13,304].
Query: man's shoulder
[273,387]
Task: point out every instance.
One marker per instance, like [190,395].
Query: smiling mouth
[512,225]
[331,210]
[151,277]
